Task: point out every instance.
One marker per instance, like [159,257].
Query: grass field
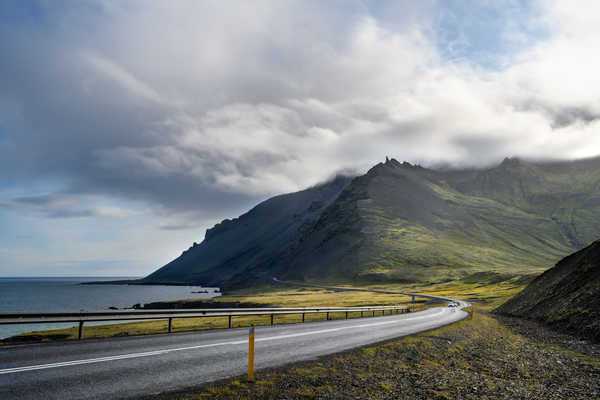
[270,298]
[486,289]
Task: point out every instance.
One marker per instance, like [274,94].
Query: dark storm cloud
[204,106]
[561,115]
[64,206]
[68,113]
[47,200]
[180,226]
[79,109]
[571,115]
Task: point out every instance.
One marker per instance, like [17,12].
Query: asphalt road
[144,365]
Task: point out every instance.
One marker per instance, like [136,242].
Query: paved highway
[144,365]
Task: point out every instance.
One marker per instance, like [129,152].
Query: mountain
[262,234]
[566,296]
[405,223]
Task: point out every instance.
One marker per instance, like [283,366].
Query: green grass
[269,298]
[499,238]
[179,325]
[487,289]
[411,225]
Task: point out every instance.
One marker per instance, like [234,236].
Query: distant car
[453,304]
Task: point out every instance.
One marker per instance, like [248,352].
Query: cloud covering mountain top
[197,110]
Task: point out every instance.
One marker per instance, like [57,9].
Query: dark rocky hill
[404,223]
[262,234]
[566,296]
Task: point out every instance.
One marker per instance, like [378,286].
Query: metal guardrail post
[272,319]
[327,315]
[346,314]
[170,325]
[303,317]
[362,314]
[230,321]
[80,335]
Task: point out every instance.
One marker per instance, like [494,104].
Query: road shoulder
[482,357]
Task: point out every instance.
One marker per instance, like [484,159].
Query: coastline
[142,282]
[60,294]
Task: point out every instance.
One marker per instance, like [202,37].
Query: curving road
[144,365]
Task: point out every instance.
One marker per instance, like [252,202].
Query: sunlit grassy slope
[404,223]
[486,289]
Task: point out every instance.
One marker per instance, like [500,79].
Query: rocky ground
[566,296]
[487,357]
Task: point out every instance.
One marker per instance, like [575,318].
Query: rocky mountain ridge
[405,223]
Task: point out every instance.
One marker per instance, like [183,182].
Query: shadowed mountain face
[256,238]
[566,296]
[405,223]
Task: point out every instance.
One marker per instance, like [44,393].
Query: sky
[127,128]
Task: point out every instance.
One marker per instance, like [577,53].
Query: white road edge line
[236,342]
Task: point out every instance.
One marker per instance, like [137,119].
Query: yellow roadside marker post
[470,311]
[251,355]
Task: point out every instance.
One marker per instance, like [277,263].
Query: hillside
[407,223]
[404,223]
[263,233]
[566,296]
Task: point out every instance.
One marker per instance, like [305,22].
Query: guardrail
[170,315]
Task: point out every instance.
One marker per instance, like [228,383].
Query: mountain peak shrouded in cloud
[403,223]
[177,115]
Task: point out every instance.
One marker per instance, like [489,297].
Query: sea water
[68,294]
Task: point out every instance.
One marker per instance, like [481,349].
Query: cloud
[176,226]
[65,206]
[230,105]
[135,122]
[122,77]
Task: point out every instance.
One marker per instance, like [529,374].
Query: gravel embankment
[488,357]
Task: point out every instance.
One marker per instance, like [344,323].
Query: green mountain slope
[566,296]
[405,223]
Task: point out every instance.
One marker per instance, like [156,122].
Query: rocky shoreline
[189,304]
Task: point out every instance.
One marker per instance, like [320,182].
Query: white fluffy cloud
[200,109]
[257,99]
[272,106]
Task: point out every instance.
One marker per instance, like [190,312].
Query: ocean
[67,294]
